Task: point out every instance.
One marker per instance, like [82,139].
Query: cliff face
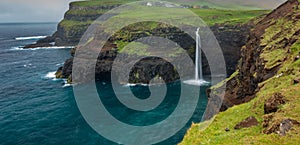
[264,91]
[231,39]
[76,21]
[262,56]
[81,14]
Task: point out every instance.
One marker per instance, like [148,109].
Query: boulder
[279,127]
[286,125]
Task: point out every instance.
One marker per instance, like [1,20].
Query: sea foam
[66,84]
[30,38]
[133,85]
[42,48]
[50,75]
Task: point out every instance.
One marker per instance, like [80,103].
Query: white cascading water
[198,64]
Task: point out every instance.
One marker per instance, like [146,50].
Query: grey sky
[53,10]
[32,10]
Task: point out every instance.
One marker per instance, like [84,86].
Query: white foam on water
[30,38]
[196,82]
[66,84]
[50,75]
[59,64]
[133,85]
[27,65]
[42,48]
[16,48]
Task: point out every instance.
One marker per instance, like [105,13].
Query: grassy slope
[280,83]
[211,16]
[219,4]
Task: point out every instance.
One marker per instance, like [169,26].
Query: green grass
[274,57]
[86,12]
[100,2]
[210,16]
[184,16]
[135,48]
[211,4]
[282,83]
[70,25]
[270,38]
[216,134]
[213,16]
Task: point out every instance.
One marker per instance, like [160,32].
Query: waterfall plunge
[198,64]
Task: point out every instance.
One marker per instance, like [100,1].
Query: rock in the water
[248,122]
[272,104]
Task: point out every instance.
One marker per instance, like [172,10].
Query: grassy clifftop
[228,4]
[275,45]
[81,14]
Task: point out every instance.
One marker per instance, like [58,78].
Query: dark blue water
[35,109]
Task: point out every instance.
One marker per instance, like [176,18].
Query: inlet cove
[151,72]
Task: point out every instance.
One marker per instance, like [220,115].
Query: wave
[50,75]
[66,84]
[133,85]
[29,65]
[59,64]
[196,82]
[42,48]
[30,38]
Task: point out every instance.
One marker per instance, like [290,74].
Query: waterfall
[198,59]
[199,81]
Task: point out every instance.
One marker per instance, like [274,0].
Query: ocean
[38,109]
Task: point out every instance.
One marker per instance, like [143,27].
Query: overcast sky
[32,10]
[53,10]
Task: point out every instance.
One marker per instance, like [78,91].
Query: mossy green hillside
[275,53]
[281,83]
[210,16]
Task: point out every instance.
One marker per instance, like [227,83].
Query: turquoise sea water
[35,109]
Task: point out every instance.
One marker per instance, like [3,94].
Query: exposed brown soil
[272,104]
[248,122]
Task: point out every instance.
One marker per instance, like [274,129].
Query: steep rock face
[230,37]
[77,19]
[267,48]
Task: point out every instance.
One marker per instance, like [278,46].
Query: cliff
[230,28]
[261,102]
